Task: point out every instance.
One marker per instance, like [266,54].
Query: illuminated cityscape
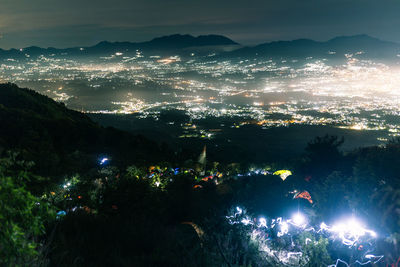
[200,133]
[353,93]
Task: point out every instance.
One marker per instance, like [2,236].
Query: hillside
[88,214]
[61,140]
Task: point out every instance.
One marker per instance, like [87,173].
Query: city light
[357,94]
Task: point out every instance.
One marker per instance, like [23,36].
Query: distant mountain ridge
[169,43]
[307,47]
[185,44]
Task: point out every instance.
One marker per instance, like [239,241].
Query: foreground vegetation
[122,200]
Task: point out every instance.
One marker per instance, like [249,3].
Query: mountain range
[205,45]
[361,44]
[171,44]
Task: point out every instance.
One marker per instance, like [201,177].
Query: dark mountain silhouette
[183,41]
[336,47]
[184,45]
[62,140]
[172,44]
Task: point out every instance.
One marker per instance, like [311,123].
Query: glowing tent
[305,195]
[283,174]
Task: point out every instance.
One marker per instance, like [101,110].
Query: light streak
[246,221]
[284,229]
[262,223]
[350,232]
[371,259]
[103,161]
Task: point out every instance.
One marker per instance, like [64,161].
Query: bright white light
[372,233]
[239,210]
[350,231]
[323,226]
[246,221]
[103,160]
[355,228]
[298,219]
[284,229]
[263,222]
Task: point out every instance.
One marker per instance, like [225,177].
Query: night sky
[62,23]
